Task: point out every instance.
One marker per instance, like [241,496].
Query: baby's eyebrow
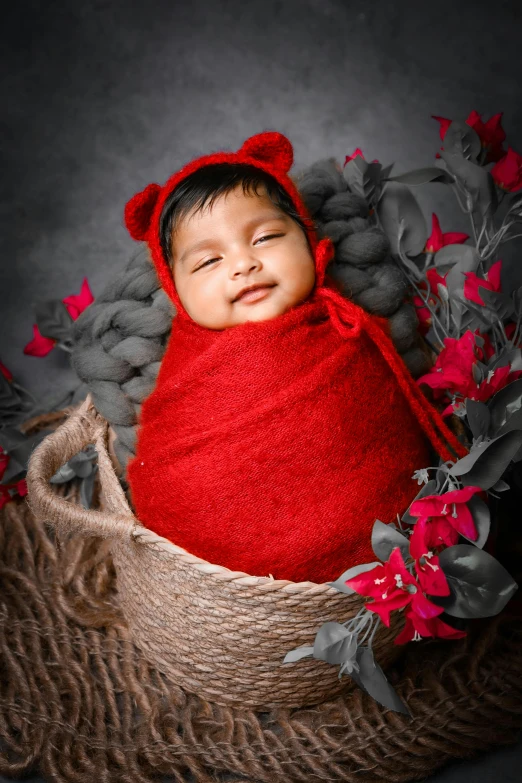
[249,224]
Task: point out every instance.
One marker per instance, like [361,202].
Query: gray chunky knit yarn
[120,339]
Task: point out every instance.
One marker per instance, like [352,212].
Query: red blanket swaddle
[271,447]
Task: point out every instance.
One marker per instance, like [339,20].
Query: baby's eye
[210,261]
[269,236]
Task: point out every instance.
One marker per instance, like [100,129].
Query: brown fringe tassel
[78,702]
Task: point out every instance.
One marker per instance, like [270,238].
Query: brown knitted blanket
[78,702]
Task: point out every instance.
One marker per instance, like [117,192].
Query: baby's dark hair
[206,184]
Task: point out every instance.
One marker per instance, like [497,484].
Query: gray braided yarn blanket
[120,339]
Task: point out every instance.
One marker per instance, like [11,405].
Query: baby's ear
[138,211]
[270,147]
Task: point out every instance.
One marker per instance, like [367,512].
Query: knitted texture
[271,447]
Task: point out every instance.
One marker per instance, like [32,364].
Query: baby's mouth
[255,294]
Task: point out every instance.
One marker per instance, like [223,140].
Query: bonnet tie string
[429,418]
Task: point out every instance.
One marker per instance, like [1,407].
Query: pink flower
[77,304]
[452,372]
[6,373]
[356,153]
[491,282]
[429,573]
[39,345]
[392,587]
[450,508]
[491,134]
[417,627]
[507,173]
[438,240]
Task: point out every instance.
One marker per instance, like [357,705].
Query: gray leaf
[335,644]
[421,176]
[371,678]
[481,518]
[480,586]
[53,320]
[385,538]
[428,489]
[478,417]
[401,216]
[500,486]
[63,474]
[340,585]
[461,139]
[477,181]
[297,654]
[486,463]
[504,404]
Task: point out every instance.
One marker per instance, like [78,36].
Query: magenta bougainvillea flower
[452,372]
[392,587]
[491,282]
[438,240]
[492,135]
[39,345]
[507,173]
[9,491]
[75,304]
[417,627]
[449,509]
[429,573]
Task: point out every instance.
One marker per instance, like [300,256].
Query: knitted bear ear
[270,147]
[138,211]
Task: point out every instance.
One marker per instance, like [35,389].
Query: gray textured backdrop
[101,97]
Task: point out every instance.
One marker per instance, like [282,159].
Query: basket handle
[84,426]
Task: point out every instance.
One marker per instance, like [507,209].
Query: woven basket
[220,634]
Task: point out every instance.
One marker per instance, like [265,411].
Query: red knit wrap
[271,447]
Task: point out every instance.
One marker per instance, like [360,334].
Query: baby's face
[243,240]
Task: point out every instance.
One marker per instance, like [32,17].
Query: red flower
[356,153]
[438,240]
[5,372]
[452,372]
[429,573]
[39,345]
[450,508]
[507,173]
[21,488]
[491,134]
[77,304]
[416,627]
[392,587]
[491,282]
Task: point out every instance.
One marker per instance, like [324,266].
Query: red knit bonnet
[271,152]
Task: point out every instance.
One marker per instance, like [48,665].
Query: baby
[283,422]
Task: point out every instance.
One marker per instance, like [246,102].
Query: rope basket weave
[219,633]
[79,701]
